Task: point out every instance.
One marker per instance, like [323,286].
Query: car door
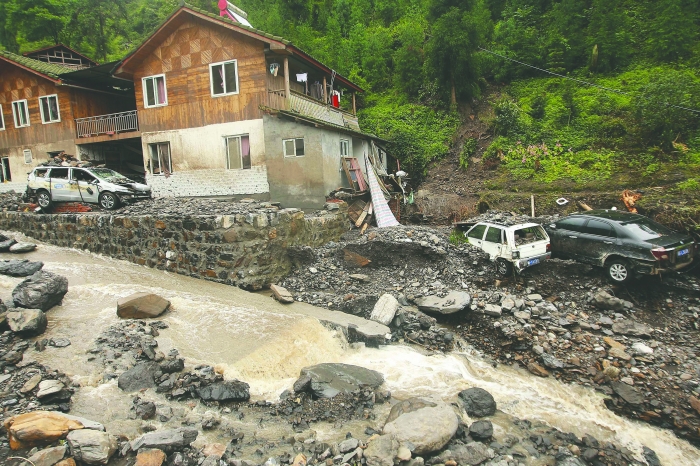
[493,242]
[60,185]
[475,236]
[565,236]
[87,185]
[596,241]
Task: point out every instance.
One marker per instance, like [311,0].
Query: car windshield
[529,235]
[646,229]
[109,175]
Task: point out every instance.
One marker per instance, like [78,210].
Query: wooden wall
[184,57]
[18,84]
[86,104]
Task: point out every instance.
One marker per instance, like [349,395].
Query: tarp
[382,212]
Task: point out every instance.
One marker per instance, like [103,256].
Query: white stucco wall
[199,161]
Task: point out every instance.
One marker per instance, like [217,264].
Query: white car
[511,246]
[100,186]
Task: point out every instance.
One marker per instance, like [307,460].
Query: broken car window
[493,235]
[477,232]
[82,175]
[59,173]
[529,235]
[109,175]
[41,173]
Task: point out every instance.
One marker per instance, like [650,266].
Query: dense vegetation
[420,59]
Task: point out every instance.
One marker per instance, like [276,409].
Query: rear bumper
[522,264]
[655,268]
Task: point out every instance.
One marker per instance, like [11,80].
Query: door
[475,236]
[565,236]
[597,240]
[60,185]
[493,242]
[6,175]
[87,186]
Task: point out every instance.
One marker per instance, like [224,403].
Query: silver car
[101,186]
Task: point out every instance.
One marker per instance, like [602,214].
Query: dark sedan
[624,244]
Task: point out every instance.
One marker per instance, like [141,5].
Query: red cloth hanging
[335,99]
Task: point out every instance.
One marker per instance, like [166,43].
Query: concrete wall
[19,169]
[199,161]
[303,182]
[249,250]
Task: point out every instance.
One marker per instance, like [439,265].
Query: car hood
[144,188]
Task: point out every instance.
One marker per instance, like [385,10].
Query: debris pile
[67,160]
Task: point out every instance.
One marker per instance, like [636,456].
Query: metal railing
[305,105]
[107,124]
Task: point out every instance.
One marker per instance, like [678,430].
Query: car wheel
[503,267]
[43,198]
[108,200]
[618,271]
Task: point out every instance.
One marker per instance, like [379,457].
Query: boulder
[551,362]
[455,301]
[31,384]
[478,402]
[385,309]
[166,439]
[230,390]
[381,451]
[66,462]
[493,310]
[472,453]
[408,406]
[20,248]
[605,301]
[7,244]
[138,377]
[91,446]
[38,428]
[481,430]
[428,429]
[48,456]
[628,393]
[152,457]
[42,290]
[632,328]
[20,268]
[281,294]
[142,306]
[329,379]
[27,322]
[48,388]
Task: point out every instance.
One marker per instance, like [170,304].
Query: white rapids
[253,338]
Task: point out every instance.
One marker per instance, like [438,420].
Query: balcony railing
[107,124]
[307,106]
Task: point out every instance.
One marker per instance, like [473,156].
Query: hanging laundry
[335,99]
[301,77]
[274,68]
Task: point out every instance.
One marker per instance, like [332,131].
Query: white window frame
[2,119]
[26,113]
[41,109]
[346,143]
[28,152]
[155,90]
[211,78]
[240,151]
[284,147]
[151,147]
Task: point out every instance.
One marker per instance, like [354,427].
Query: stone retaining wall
[249,250]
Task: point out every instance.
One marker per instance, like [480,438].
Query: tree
[671,30]
[608,35]
[459,27]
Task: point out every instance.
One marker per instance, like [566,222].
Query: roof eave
[50,77]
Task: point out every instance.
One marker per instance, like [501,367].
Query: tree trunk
[453,96]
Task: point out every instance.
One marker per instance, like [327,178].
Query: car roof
[514,226]
[614,215]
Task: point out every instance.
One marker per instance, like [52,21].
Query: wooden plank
[286,77]
[364,228]
[347,173]
[363,215]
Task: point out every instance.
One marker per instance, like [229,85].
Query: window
[596,227]
[224,78]
[48,105]
[59,174]
[493,235]
[21,113]
[2,120]
[154,92]
[294,147]
[572,224]
[344,147]
[41,172]
[237,152]
[27,156]
[160,162]
[477,232]
[6,175]
[82,175]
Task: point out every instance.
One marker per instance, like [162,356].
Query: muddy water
[253,338]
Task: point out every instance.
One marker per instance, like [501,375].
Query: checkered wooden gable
[23,87]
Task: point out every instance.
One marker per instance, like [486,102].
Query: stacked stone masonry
[215,182]
[248,250]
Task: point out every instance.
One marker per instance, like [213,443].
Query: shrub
[468,151]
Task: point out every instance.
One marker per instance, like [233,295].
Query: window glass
[224,78]
[160,161]
[82,175]
[293,147]
[493,235]
[571,224]
[20,113]
[154,93]
[49,109]
[344,147]
[59,173]
[645,229]
[289,148]
[477,232]
[597,227]
[299,143]
[2,119]
[41,172]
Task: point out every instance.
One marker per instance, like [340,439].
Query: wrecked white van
[511,246]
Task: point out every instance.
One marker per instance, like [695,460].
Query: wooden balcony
[312,108]
[114,125]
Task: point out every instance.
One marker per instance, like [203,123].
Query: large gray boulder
[142,306]
[138,377]
[166,439]
[381,451]
[329,379]
[20,268]
[27,322]
[631,328]
[43,290]
[408,406]
[455,301]
[428,429]
[471,454]
[20,248]
[48,456]
[230,390]
[91,446]
[628,393]
[478,402]
[385,309]
[6,244]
